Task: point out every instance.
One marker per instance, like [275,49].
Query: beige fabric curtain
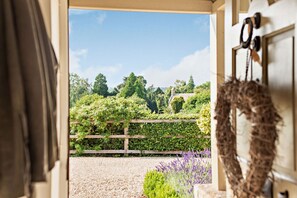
[28,138]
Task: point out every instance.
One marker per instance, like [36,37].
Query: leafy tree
[201,97]
[160,100]
[79,87]
[191,85]
[204,86]
[133,85]
[177,104]
[100,85]
[180,86]
[113,92]
[168,94]
[151,99]
[159,91]
[140,90]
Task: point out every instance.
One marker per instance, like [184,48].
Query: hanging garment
[28,136]
[40,86]
[14,156]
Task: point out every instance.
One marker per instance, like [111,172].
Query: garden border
[126,137]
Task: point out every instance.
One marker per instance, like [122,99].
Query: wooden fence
[126,138]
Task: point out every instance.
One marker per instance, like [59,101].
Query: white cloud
[90,72]
[196,64]
[75,58]
[101,18]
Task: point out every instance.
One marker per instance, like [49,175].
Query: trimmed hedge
[91,114]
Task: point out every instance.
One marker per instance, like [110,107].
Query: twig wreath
[254,101]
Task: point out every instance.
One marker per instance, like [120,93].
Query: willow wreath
[254,101]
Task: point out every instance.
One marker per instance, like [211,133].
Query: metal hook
[246,44]
[252,22]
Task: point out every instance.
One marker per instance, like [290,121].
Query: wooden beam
[218,5]
[126,141]
[170,6]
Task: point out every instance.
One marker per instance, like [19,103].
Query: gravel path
[102,177]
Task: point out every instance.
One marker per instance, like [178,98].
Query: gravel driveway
[108,177]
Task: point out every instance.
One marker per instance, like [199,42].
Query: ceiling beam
[169,6]
[218,5]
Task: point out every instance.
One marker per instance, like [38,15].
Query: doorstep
[207,191]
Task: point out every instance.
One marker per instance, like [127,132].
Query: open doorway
[110,51]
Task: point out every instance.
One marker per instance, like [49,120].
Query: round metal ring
[246,44]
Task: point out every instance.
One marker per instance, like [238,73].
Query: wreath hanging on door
[254,101]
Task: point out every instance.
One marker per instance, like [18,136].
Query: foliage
[87,100]
[204,86]
[183,173]
[177,104]
[91,113]
[78,87]
[201,97]
[157,136]
[191,85]
[156,99]
[203,121]
[180,86]
[133,85]
[100,85]
[155,186]
[92,118]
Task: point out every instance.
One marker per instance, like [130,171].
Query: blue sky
[161,47]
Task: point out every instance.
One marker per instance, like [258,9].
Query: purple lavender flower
[185,171]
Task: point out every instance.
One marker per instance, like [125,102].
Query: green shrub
[177,104]
[195,103]
[155,186]
[90,115]
[203,121]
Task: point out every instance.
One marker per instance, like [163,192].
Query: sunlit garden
[133,121]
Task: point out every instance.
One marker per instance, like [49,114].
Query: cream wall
[217,73]
[55,13]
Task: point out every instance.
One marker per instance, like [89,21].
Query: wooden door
[277,70]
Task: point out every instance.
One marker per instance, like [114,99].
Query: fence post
[126,142]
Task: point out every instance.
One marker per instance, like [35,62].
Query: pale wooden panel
[281,82]
[243,127]
[173,6]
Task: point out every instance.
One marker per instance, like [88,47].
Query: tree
[204,86]
[180,86]
[79,87]
[177,104]
[100,85]
[201,97]
[133,85]
[191,85]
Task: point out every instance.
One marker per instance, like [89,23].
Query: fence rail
[126,138]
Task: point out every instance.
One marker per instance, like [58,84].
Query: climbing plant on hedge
[203,121]
[92,115]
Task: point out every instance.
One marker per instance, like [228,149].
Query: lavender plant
[183,173]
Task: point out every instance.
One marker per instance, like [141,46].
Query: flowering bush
[182,173]
[203,121]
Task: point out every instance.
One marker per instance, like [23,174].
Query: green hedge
[91,114]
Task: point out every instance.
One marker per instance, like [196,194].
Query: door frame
[59,15]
